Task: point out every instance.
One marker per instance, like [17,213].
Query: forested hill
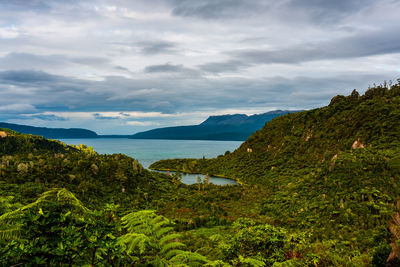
[225,127]
[360,128]
[30,165]
[53,133]
[333,170]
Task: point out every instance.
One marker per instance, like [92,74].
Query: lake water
[147,151]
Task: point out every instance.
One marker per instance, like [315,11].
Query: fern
[168,238]
[189,258]
[55,194]
[10,229]
[251,261]
[149,232]
[134,241]
[171,246]
[10,232]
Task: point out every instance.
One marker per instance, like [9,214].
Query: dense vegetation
[320,188]
[333,170]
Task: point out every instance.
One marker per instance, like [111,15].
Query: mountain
[312,138]
[333,171]
[53,133]
[225,127]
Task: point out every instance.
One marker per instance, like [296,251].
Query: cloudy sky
[124,66]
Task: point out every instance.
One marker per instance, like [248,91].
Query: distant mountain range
[52,133]
[225,127]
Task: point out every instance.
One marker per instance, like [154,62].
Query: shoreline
[212,175]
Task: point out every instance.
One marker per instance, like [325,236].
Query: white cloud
[9,32]
[172,62]
[141,123]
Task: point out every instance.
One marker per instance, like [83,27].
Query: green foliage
[255,244]
[319,188]
[380,254]
[94,178]
[332,171]
[150,239]
[58,229]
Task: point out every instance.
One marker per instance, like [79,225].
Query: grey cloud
[157,47]
[176,95]
[216,9]
[90,60]
[17,108]
[98,116]
[26,4]
[169,68]
[164,68]
[122,68]
[36,5]
[27,60]
[316,10]
[46,117]
[329,11]
[27,76]
[361,45]
[220,67]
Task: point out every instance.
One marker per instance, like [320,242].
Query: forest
[317,188]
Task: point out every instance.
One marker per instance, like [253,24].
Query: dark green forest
[318,188]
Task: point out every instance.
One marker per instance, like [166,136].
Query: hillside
[237,127]
[311,138]
[53,133]
[333,170]
[31,164]
[320,188]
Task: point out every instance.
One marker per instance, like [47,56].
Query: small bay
[147,151]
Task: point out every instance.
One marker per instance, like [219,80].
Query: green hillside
[292,143]
[31,164]
[333,171]
[319,188]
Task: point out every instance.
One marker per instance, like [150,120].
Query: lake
[147,151]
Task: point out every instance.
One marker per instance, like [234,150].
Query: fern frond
[11,232]
[251,261]
[173,253]
[138,221]
[168,238]
[171,246]
[146,229]
[163,231]
[55,194]
[134,241]
[217,263]
[157,219]
[159,225]
[191,258]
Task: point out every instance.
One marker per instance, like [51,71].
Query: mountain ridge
[235,127]
[52,133]
[232,127]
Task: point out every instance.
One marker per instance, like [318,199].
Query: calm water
[147,151]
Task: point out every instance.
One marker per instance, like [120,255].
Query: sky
[125,66]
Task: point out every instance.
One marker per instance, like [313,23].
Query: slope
[235,127]
[29,165]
